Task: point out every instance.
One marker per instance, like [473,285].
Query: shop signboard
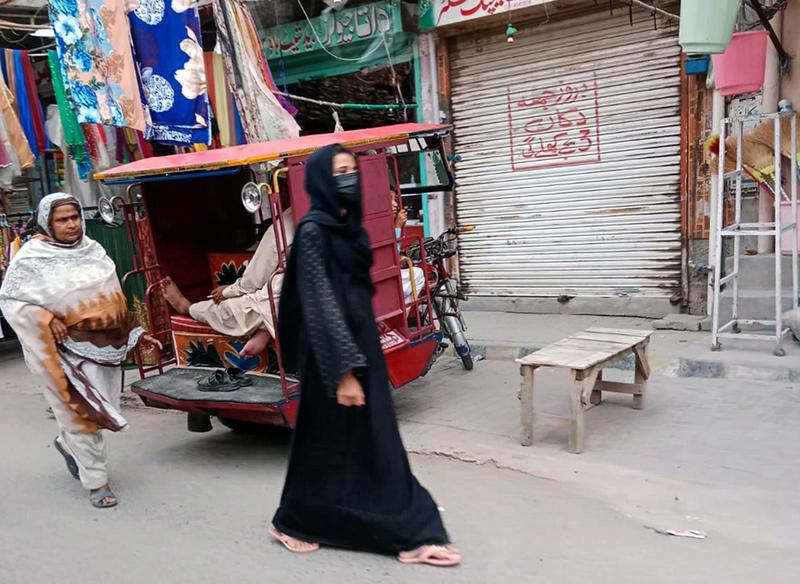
[333,29]
[435,13]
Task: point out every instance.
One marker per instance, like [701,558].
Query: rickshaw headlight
[109,210]
[251,197]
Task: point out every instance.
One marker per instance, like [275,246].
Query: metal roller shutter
[570,171]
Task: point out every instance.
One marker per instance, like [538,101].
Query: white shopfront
[570,170]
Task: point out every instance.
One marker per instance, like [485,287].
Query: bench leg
[597,395]
[526,404]
[581,382]
[576,424]
[641,376]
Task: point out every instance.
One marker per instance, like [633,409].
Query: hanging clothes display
[96,144]
[73,183]
[263,116]
[131,145]
[37,111]
[9,165]
[73,135]
[94,50]
[222,101]
[169,52]
[21,81]
[15,135]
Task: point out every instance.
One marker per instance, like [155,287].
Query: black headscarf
[349,240]
[346,240]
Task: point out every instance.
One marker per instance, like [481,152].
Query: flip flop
[218,381]
[287,542]
[72,466]
[96,499]
[239,376]
[432,555]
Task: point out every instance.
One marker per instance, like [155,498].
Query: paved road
[195,510]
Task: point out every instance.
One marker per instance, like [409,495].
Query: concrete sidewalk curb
[679,367]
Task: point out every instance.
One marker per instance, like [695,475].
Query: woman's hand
[59,330]
[350,393]
[149,343]
[218,294]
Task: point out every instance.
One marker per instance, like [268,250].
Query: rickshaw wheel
[242,426]
[254,428]
[467,361]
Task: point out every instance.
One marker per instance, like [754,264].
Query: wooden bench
[586,353]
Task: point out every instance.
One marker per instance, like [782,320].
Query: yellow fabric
[221,98]
[15,134]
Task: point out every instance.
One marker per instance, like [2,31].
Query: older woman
[62,297]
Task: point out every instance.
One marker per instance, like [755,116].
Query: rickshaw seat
[186,324]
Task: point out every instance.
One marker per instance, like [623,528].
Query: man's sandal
[72,466]
[96,499]
[220,380]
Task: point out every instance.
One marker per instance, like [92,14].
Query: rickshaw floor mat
[181,384]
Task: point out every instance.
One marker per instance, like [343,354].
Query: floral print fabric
[169,52]
[94,48]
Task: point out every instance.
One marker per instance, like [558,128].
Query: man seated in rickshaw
[400,219]
[242,309]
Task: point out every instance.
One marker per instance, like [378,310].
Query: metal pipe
[717,113]
[715,346]
[771,95]
[793,194]
[737,241]
[777,239]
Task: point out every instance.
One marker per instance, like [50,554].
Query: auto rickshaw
[192,216]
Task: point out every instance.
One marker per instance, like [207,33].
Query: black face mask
[348,188]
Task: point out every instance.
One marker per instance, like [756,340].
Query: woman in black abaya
[349,483]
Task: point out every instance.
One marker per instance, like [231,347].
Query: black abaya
[349,483]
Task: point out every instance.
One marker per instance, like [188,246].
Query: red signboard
[556,126]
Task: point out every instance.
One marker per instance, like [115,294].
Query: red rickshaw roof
[265,151]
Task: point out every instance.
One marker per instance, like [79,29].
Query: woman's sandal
[72,466]
[291,543]
[432,555]
[96,499]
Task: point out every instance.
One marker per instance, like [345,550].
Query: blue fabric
[239,129]
[169,52]
[24,105]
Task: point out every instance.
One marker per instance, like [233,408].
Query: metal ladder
[737,230]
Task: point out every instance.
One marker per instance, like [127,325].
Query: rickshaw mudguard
[413,360]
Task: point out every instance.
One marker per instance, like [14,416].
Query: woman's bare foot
[433,555]
[257,344]
[173,295]
[292,544]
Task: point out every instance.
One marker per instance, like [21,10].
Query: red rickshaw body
[189,223]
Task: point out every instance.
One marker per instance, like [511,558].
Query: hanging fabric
[94,50]
[21,81]
[78,187]
[264,118]
[16,136]
[10,167]
[222,99]
[168,50]
[73,135]
[37,111]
